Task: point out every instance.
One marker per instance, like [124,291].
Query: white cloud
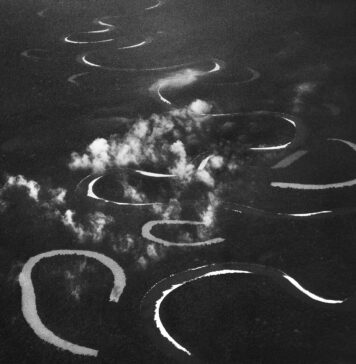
[216,162]
[32,187]
[50,203]
[44,196]
[208,215]
[93,230]
[124,243]
[170,211]
[80,161]
[204,176]
[97,158]
[97,222]
[58,195]
[132,194]
[158,140]
[152,251]
[200,107]
[68,221]
[175,81]
[181,167]
[99,150]
[302,91]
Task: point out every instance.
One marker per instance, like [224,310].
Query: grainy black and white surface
[178,181]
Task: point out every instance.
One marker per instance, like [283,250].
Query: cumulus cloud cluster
[162,140]
[172,210]
[181,168]
[168,142]
[49,197]
[142,251]
[45,202]
[142,143]
[200,107]
[94,228]
[180,143]
[173,143]
[32,187]
[51,203]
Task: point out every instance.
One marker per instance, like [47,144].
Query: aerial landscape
[178,181]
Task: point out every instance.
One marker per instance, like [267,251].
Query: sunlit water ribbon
[29,307]
[255,75]
[91,194]
[146,41]
[290,159]
[300,129]
[74,79]
[108,27]
[90,188]
[327,186]
[147,234]
[183,78]
[155,297]
[219,66]
[84,59]
[205,162]
[159,4]
[154,175]
[297,124]
[243,209]
[68,39]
